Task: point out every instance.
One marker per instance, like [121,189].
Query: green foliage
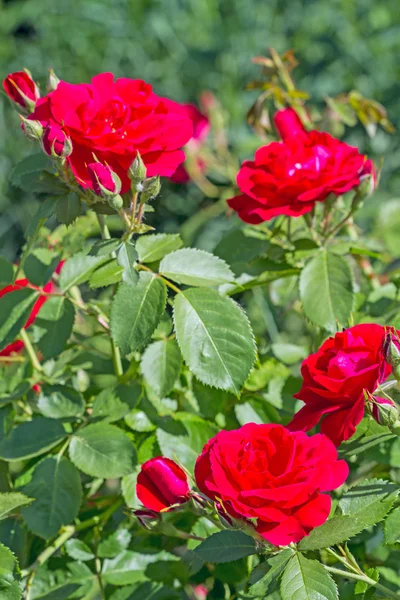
[226,546]
[326,290]
[215,338]
[305,579]
[195,267]
[154,247]
[161,365]
[31,438]
[56,487]
[15,308]
[137,311]
[103,450]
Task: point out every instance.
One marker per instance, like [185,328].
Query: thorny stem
[116,355]
[362,577]
[30,350]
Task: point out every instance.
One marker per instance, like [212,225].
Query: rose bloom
[201,128]
[334,380]
[289,177]
[111,120]
[161,484]
[273,475]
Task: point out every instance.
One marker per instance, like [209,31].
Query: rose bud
[147,518]
[32,129]
[151,188]
[391,348]
[22,90]
[105,182]
[383,410]
[56,143]
[52,81]
[137,170]
[161,484]
[200,592]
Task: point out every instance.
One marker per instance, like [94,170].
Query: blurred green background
[184,47]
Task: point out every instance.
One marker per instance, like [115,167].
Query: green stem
[30,350]
[166,281]
[365,579]
[116,355]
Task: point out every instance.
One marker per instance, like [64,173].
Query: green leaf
[239,249]
[264,579]
[139,421]
[31,439]
[326,290]
[106,274]
[392,527]
[10,501]
[126,568]
[305,579]
[31,165]
[78,550]
[104,247]
[136,312]
[103,450]
[196,267]
[226,546]
[39,266]
[9,588]
[161,365]
[114,544]
[7,560]
[56,485]
[127,256]
[60,402]
[184,438]
[215,338]
[289,353]
[6,272]
[360,507]
[78,269]
[68,208]
[154,247]
[56,320]
[15,308]
[114,403]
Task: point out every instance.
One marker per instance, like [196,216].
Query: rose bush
[151,444]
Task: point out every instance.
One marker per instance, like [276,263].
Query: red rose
[161,483]
[289,177]
[18,345]
[201,128]
[55,142]
[271,474]
[22,90]
[111,120]
[334,380]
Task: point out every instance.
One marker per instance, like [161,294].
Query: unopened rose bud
[391,348]
[151,188]
[137,170]
[56,143]
[200,592]
[105,182]
[22,90]
[32,129]
[383,410]
[148,519]
[162,484]
[52,81]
